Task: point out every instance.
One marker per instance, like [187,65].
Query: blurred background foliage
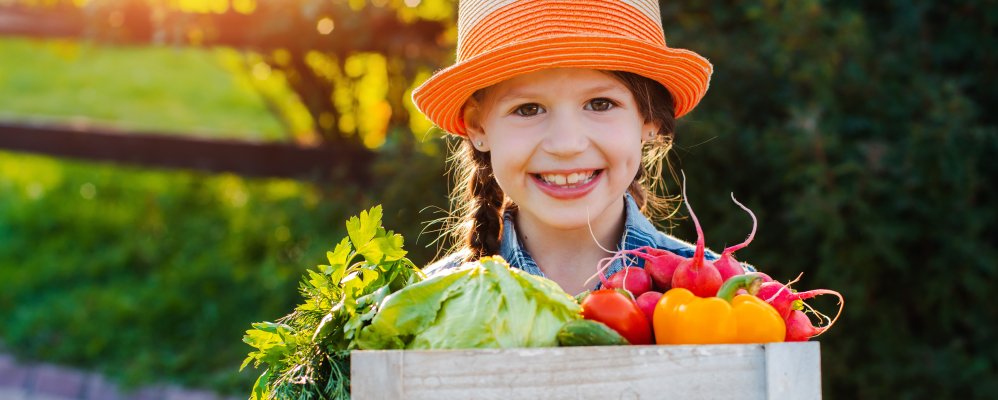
[859,132]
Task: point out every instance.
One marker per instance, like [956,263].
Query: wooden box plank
[770,371]
[793,371]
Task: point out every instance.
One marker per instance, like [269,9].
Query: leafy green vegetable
[307,352]
[480,305]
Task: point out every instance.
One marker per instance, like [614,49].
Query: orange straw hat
[500,39]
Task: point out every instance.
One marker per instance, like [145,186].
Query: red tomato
[620,313]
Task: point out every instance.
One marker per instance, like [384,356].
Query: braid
[475,225]
[482,237]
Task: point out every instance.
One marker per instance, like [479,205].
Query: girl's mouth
[568,181]
[567,185]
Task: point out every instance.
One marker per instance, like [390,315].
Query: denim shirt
[638,232]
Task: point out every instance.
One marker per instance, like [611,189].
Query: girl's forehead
[555,81]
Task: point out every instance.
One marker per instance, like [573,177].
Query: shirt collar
[638,232]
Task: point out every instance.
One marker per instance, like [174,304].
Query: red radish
[696,274]
[632,279]
[779,296]
[660,265]
[647,301]
[800,329]
[785,300]
[727,265]
[789,304]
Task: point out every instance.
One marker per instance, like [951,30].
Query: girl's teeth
[570,180]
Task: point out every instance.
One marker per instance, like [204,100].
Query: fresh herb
[307,352]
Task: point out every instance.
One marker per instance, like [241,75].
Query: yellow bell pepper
[683,318]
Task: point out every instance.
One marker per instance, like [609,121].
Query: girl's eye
[600,104]
[528,110]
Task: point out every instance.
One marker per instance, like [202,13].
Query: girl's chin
[571,217]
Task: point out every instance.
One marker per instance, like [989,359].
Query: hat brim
[684,73]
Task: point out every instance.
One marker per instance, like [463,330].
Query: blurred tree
[860,134]
[351,63]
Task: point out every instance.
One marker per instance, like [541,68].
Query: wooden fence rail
[163,150]
[373,29]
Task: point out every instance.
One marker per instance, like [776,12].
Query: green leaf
[408,311]
[352,326]
[260,386]
[363,228]
[272,327]
[317,280]
[383,249]
[376,297]
[272,346]
[340,256]
[369,276]
[351,282]
[260,339]
[246,362]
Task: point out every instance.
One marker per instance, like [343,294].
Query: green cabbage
[484,304]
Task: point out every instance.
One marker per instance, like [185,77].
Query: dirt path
[20,381]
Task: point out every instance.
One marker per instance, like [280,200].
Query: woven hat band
[489,24]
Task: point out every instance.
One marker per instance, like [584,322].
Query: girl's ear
[649,130]
[473,126]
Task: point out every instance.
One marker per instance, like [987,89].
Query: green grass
[151,276]
[177,90]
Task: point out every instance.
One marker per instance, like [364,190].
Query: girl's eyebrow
[604,88]
[517,94]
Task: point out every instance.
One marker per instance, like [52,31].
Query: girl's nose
[566,136]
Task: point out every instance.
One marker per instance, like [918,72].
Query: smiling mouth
[568,181]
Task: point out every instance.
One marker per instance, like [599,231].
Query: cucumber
[584,332]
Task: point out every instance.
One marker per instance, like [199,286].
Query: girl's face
[565,144]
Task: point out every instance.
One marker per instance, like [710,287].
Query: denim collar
[638,232]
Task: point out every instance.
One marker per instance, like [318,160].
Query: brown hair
[477,203]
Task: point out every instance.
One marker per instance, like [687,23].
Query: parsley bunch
[307,352]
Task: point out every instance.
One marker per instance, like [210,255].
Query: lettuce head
[482,304]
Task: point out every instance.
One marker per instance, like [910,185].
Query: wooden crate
[784,371]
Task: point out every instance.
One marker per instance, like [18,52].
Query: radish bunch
[664,270]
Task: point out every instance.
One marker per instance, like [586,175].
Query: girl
[567,110]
